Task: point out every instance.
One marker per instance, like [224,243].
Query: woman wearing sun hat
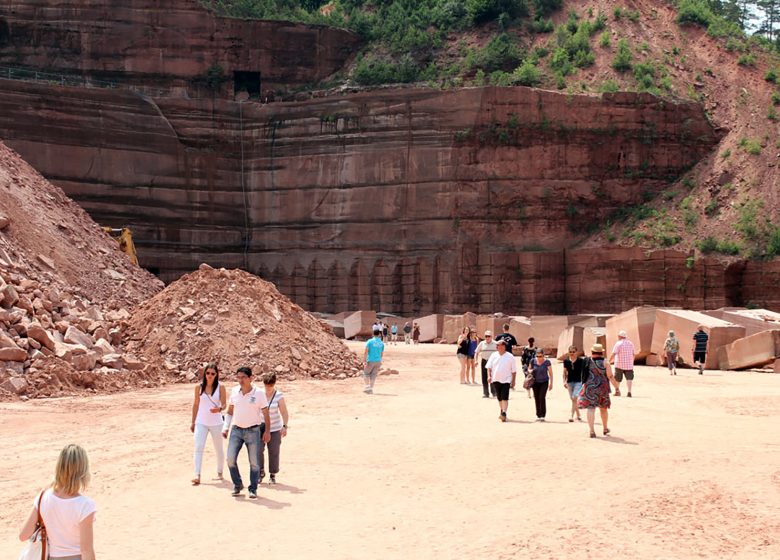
[595,388]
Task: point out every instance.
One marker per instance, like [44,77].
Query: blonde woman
[67,515]
[210,401]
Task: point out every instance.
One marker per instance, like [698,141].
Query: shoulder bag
[528,382]
[37,546]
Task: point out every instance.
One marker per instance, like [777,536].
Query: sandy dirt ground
[424,469]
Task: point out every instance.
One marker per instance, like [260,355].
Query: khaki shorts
[619,373]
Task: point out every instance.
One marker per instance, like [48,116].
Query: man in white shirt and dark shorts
[502,371]
[247,410]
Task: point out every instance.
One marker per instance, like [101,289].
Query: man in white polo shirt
[502,371]
[247,409]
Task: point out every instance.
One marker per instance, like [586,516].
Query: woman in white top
[210,401]
[67,515]
[277,409]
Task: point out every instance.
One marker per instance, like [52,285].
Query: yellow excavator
[124,237]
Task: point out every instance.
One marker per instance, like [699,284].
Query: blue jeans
[251,438]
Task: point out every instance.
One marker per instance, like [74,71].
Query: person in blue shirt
[372,355]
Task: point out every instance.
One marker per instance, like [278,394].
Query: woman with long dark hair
[210,401]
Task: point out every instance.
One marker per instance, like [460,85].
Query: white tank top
[205,416]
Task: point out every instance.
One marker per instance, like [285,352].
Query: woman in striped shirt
[277,409]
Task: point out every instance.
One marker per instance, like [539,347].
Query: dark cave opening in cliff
[248,82]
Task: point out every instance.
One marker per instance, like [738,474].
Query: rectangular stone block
[546,329]
[595,320]
[453,325]
[653,360]
[754,320]
[359,324]
[593,335]
[570,336]
[520,328]
[430,327]
[490,323]
[639,324]
[684,323]
[756,350]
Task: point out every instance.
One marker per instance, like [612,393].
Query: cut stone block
[754,320]
[570,336]
[653,360]
[359,324]
[430,327]
[639,324]
[490,323]
[520,328]
[451,328]
[546,329]
[336,326]
[593,335]
[595,320]
[756,350]
[684,323]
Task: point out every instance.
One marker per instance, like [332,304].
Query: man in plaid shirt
[623,359]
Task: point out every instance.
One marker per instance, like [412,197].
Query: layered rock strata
[410,201]
[176,46]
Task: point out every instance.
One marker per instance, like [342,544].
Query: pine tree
[771,19]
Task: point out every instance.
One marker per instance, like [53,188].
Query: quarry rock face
[410,201]
[176,46]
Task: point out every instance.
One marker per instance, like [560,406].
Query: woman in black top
[574,376]
[463,353]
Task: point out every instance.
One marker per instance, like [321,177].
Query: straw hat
[597,349]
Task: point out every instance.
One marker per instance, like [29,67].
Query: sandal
[571,419]
[593,434]
[606,432]
[195,481]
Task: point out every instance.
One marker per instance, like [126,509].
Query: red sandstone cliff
[409,200]
[165,44]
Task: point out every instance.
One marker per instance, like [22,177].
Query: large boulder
[40,335]
[359,324]
[9,296]
[430,327]
[490,323]
[570,336]
[75,336]
[14,354]
[756,350]
[520,328]
[685,323]
[16,385]
[639,324]
[754,320]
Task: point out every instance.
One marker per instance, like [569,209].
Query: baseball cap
[622,334]
[488,333]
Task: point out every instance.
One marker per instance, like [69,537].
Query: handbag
[37,546]
[528,382]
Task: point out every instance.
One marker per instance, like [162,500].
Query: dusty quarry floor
[424,469]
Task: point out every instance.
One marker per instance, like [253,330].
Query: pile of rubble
[66,292]
[234,318]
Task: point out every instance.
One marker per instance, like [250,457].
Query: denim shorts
[574,389]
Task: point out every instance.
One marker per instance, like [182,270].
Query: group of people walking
[255,418]
[586,378]
[390,334]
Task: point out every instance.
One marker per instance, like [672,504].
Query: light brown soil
[424,469]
